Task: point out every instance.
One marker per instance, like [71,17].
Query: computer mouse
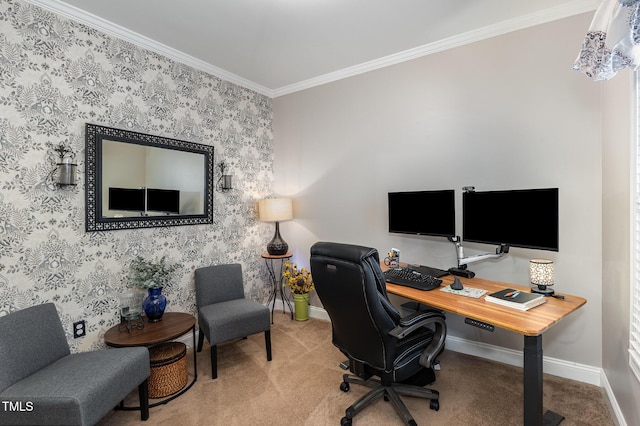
[457,285]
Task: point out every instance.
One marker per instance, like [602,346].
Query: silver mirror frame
[93,180]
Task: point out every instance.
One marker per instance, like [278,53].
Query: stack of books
[516,299]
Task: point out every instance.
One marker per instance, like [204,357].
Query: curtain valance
[613,40]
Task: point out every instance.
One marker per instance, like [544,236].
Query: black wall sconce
[224,182]
[66,168]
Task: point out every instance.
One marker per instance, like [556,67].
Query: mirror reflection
[136,181]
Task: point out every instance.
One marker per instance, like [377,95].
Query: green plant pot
[301,306]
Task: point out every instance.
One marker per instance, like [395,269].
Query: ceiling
[280,46]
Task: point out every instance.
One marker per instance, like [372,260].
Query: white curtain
[613,41]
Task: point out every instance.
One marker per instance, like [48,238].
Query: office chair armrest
[429,355]
[422,319]
[418,317]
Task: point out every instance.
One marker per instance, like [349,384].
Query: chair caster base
[434,404]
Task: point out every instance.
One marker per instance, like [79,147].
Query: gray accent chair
[224,314]
[42,383]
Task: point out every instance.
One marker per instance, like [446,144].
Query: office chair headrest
[348,252]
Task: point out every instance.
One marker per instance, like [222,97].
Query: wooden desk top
[533,322]
[173,325]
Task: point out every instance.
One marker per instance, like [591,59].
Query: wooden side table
[172,326]
[276,281]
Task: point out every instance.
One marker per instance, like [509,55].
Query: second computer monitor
[429,213]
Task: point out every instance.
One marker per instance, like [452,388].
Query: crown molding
[551,14]
[107,27]
[548,15]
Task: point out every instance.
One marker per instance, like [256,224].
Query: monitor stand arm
[462,270]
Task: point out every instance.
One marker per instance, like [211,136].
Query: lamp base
[542,289]
[277,246]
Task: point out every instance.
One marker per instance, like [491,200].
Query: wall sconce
[224,182]
[275,210]
[541,274]
[66,167]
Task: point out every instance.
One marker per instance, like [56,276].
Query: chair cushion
[77,389]
[233,319]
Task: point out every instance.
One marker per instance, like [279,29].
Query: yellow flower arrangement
[299,281]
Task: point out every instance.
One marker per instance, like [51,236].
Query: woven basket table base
[168,369]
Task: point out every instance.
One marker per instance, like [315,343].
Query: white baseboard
[617,412]
[314,311]
[319,313]
[557,367]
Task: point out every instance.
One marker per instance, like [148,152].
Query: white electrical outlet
[79,329]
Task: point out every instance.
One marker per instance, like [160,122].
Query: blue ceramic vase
[154,304]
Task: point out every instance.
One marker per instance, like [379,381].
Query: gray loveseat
[42,383]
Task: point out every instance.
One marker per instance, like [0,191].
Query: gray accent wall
[502,113]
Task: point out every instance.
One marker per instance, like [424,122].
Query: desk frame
[531,324]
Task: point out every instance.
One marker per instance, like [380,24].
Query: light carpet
[300,386]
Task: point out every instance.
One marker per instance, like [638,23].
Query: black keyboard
[411,278]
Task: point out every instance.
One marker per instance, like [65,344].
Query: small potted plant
[153,276]
[300,283]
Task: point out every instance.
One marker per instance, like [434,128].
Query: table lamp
[276,210]
[541,274]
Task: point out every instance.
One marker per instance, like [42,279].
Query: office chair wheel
[345,422]
[434,404]
[344,387]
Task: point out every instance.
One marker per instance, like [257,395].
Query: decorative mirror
[135,180]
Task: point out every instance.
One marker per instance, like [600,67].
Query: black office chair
[368,329]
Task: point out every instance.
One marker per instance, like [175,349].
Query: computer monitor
[429,213]
[163,200]
[127,199]
[526,218]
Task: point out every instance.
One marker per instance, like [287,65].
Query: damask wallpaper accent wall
[55,76]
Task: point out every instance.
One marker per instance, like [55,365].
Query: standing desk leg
[533,385]
[533,380]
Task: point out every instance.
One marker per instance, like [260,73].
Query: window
[634,334]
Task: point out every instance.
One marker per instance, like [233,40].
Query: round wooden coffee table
[172,326]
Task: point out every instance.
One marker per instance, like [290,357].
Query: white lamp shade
[541,271]
[275,209]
